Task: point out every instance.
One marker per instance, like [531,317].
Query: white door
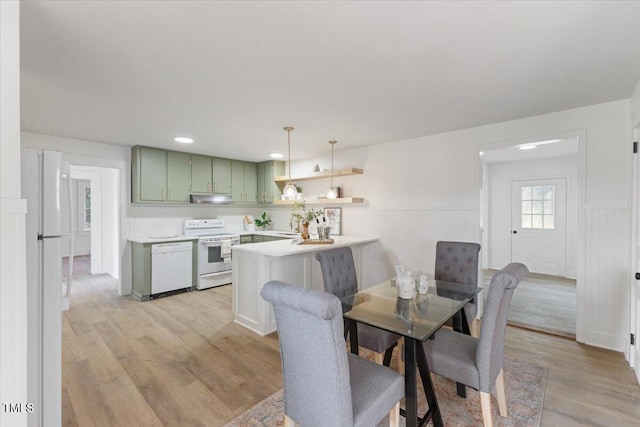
[538,225]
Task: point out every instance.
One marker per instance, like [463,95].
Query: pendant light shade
[289,190]
[332,192]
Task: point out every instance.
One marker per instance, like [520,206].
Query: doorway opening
[529,211]
[96,215]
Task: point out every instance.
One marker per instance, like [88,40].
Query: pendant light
[290,190]
[332,192]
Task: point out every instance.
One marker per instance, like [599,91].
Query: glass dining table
[417,320]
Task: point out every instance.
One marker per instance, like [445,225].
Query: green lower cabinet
[141,269]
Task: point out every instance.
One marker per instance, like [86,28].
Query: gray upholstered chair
[458,262]
[477,362]
[339,277]
[323,384]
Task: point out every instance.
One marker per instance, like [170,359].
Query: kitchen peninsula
[256,264]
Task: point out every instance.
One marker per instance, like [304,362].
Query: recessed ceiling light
[527,147]
[183,139]
[276,155]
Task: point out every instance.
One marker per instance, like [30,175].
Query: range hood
[211,199]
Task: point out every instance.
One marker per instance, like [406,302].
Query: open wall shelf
[341,201]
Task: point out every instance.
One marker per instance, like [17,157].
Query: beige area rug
[524,385]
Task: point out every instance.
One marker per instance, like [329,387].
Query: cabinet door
[261,181]
[178,176]
[271,191]
[250,183]
[153,174]
[237,181]
[221,175]
[201,174]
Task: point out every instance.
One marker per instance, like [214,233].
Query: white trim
[13,206]
[479,185]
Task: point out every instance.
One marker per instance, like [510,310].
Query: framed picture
[334,220]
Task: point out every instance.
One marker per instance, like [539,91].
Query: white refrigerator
[46,184]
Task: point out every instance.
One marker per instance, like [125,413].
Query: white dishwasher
[171,266]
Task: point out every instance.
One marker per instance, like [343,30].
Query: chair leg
[475,328]
[502,397]
[400,360]
[394,416]
[288,422]
[485,402]
[378,358]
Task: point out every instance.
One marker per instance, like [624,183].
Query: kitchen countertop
[280,248]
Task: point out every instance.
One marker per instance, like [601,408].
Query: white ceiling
[233,74]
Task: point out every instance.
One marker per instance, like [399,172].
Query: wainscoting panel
[606,280]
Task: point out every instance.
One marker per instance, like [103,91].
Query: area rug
[524,385]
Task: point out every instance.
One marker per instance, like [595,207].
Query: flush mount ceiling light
[332,192]
[183,140]
[527,147]
[276,155]
[290,190]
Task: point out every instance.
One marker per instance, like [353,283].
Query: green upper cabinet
[221,175]
[178,176]
[148,175]
[268,191]
[201,173]
[243,182]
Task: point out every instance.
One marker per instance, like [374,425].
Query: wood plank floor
[181,361]
[543,303]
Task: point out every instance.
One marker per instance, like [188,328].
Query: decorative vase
[305,230]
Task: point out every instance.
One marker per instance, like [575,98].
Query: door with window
[539,225]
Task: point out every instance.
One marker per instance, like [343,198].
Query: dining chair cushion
[375,339]
[323,385]
[461,368]
[372,387]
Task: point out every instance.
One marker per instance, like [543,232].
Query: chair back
[338,271]
[315,367]
[457,262]
[490,351]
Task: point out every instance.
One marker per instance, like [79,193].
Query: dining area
[431,326]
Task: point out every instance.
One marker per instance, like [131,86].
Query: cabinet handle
[214,187]
[170,194]
[162,191]
[208,186]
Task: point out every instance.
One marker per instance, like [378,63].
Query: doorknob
[515,232]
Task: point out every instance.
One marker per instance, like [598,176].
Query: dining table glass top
[418,318]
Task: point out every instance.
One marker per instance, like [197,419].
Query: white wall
[499,179]
[426,189]
[13,209]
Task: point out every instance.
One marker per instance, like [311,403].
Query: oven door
[210,258]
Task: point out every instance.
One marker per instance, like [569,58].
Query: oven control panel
[191,224]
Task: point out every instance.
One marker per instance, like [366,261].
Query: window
[84,202]
[538,206]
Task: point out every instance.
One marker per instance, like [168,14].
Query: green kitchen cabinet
[178,176]
[201,173]
[268,191]
[221,175]
[244,184]
[148,175]
[246,238]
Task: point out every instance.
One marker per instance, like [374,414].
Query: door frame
[481,200]
[634,291]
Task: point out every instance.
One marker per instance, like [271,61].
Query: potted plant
[263,222]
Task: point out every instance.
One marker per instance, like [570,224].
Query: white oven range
[214,251]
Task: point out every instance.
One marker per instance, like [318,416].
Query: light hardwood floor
[544,303]
[181,361]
